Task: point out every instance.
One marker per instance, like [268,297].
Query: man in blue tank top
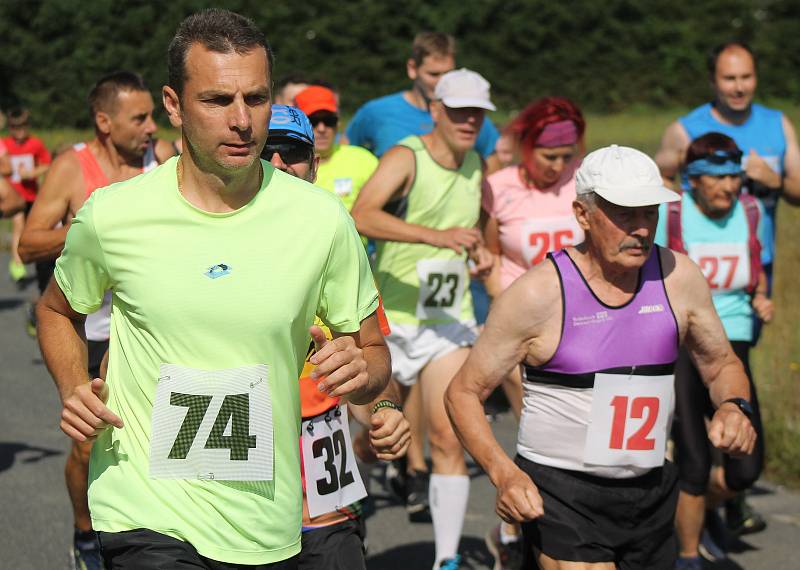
[771,154]
[597,331]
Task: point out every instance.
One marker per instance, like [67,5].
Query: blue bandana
[720,163]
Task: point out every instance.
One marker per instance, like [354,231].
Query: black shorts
[97,349]
[336,547]
[596,519]
[144,549]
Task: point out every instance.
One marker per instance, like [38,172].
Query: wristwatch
[743,405]
[386,404]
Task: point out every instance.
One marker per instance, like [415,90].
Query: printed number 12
[639,440]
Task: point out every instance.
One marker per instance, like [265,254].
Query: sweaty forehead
[734,60]
[229,72]
[132,103]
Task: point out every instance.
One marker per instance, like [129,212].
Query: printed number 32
[332,446]
[639,440]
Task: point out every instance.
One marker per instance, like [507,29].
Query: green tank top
[420,283]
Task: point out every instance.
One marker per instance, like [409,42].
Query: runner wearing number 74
[597,329]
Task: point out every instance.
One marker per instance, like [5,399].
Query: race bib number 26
[212,424]
[541,236]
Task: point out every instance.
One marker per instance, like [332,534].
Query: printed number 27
[332,446]
[639,440]
[235,410]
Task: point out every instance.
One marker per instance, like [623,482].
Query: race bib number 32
[629,420]
[212,424]
[332,477]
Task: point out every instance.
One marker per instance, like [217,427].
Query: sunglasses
[722,156]
[329,121]
[290,153]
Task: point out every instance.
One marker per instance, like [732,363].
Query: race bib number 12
[332,477]
[212,424]
[629,420]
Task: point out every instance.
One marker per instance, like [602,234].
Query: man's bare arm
[791,165]
[670,155]
[41,240]
[63,344]
[356,365]
[10,201]
[389,181]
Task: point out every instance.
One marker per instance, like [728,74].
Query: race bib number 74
[212,424]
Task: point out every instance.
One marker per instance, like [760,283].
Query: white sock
[448,496]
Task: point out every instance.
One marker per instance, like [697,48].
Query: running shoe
[395,478]
[689,563]
[85,554]
[741,518]
[417,505]
[30,320]
[506,556]
[713,541]
[16,271]
[453,563]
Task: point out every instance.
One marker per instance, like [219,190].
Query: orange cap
[316,98]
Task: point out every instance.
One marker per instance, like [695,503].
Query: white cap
[463,88]
[624,176]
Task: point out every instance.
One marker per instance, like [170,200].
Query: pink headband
[562,133]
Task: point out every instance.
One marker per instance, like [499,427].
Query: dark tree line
[607,55]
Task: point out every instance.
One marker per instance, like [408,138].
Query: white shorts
[413,347]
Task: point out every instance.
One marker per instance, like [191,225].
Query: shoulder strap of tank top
[93,175]
[753,215]
[675,227]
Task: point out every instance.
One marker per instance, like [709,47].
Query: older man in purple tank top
[597,331]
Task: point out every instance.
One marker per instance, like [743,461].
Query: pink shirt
[531,222]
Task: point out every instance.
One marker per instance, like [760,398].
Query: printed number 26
[333,446]
[639,440]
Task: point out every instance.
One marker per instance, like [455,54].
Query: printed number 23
[333,446]
[639,440]
[436,281]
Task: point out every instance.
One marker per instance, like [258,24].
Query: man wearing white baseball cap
[422,206]
[597,331]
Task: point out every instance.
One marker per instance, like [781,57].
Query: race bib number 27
[212,424]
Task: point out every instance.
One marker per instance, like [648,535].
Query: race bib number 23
[441,288]
[212,424]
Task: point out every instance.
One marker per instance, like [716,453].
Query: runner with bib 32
[597,328]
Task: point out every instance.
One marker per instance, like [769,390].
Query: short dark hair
[18,116]
[708,144]
[291,78]
[104,94]
[713,55]
[220,31]
[432,43]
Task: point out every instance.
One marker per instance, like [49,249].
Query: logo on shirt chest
[649,309]
[595,319]
[218,270]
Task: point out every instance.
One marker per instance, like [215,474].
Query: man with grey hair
[597,331]
[196,462]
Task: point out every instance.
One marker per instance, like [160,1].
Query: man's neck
[728,116]
[217,192]
[442,153]
[612,283]
[107,154]
[325,156]
[416,98]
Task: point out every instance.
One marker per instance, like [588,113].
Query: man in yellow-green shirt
[217,263]
[343,168]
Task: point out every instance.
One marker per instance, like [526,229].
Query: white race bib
[541,236]
[629,420]
[20,163]
[332,477]
[726,266]
[441,288]
[212,424]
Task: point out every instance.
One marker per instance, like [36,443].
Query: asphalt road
[35,529]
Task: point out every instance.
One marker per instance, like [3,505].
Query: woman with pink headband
[529,214]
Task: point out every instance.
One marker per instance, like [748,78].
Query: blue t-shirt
[701,237]
[762,132]
[381,123]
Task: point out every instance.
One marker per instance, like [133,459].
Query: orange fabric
[93,175]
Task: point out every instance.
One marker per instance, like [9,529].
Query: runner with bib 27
[597,328]
[722,232]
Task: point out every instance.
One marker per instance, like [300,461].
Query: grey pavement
[36,518]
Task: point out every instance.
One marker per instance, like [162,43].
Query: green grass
[776,360]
